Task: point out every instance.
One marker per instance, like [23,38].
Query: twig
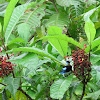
[25,93]
[54,5]
[3,84]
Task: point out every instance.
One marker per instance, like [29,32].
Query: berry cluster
[5,66]
[82,67]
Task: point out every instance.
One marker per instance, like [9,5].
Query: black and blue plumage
[66,68]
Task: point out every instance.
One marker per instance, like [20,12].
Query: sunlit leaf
[59,44]
[17,13]
[9,11]
[90,31]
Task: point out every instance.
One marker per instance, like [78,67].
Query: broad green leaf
[59,19]
[24,31]
[19,96]
[95,43]
[90,31]
[68,2]
[33,18]
[9,11]
[17,40]
[29,61]
[37,51]
[59,44]
[94,58]
[17,13]
[59,87]
[93,95]
[12,85]
[98,48]
[64,38]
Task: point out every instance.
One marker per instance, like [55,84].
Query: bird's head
[67,62]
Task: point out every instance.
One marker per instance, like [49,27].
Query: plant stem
[83,89]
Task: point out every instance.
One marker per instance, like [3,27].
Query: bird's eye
[64,68]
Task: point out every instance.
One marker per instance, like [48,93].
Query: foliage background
[40,33]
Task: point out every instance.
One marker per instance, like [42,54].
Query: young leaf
[59,87]
[59,44]
[90,30]
[17,13]
[12,85]
[24,31]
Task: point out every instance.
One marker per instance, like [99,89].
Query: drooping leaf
[24,31]
[9,11]
[59,87]
[12,85]
[17,13]
[90,31]
[37,51]
[59,44]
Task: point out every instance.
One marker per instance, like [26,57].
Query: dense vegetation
[37,37]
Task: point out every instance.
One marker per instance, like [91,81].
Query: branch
[25,93]
[54,5]
[3,84]
[83,89]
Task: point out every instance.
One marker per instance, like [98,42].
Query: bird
[66,68]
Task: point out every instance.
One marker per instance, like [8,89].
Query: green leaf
[64,38]
[33,18]
[93,95]
[90,31]
[94,58]
[12,84]
[59,87]
[19,40]
[59,44]
[9,11]
[17,13]
[20,96]
[59,19]
[98,48]
[37,51]
[95,43]
[68,2]
[24,31]
[29,61]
